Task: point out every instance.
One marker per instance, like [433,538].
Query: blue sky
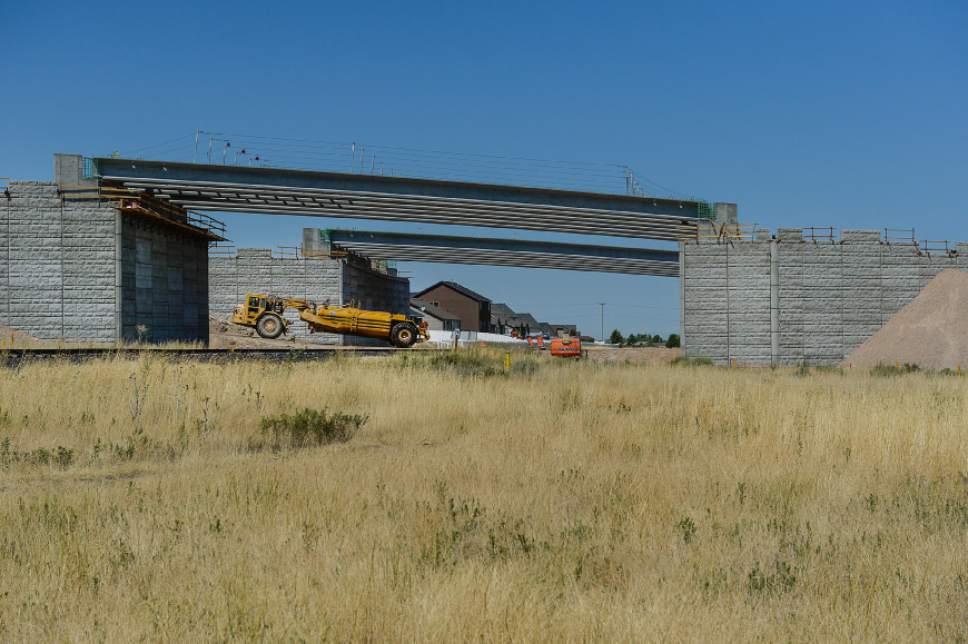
[819,113]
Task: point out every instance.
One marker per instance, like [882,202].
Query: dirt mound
[931,331]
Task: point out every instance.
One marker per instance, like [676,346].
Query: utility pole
[602,305]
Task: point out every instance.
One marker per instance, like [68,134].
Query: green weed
[307,428]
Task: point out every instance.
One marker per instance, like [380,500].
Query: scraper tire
[270,326]
[403,335]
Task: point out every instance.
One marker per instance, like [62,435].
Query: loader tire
[270,326]
[403,335]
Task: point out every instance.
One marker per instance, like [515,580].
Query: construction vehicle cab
[265,312]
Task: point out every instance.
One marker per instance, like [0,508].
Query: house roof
[499,310]
[519,319]
[503,314]
[431,310]
[459,288]
[550,327]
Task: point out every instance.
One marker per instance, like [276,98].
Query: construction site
[131,250]
[484,322]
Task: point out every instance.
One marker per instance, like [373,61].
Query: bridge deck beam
[329,194]
[490,251]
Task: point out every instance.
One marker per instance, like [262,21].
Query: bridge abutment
[76,268]
[799,297]
[320,279]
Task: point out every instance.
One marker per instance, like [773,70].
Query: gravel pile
[930,332]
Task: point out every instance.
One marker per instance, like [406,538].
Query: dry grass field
[148,500]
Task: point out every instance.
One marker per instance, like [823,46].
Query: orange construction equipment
[566,347]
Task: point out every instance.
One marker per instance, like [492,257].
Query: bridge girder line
[675,232]
[242,191]
[511,262]
[537,225]
[640,226]
[132,169]
[400,251]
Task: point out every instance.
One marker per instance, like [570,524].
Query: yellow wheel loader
[264,313]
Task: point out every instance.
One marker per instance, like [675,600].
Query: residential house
[437,318]
[472,308]
[559,330]
[504,319]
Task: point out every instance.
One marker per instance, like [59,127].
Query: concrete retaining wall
[80,271]
[164,283]
[372,289]
[336,281]
[57,265]
[795,301]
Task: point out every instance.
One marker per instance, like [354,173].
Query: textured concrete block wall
[255,270]
[370,289]
[164,282]
[334,281]
[792,300]
[726,301]
[57,265]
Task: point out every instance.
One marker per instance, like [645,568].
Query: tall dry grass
[563,501]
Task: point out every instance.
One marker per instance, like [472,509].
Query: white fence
[468,338]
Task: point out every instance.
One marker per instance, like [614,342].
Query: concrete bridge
[117,249]
[225,188]
[124,258]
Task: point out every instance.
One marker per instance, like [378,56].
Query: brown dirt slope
[931,331]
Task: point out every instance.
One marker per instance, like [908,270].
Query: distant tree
[673,341]
[642,340]
[616,337]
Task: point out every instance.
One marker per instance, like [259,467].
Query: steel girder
[273,191]
[495,252]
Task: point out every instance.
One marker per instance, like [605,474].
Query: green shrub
[475,362]
[894,370]
[308,428]
[60,456]
[683,361]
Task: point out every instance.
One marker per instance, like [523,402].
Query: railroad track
[16,357]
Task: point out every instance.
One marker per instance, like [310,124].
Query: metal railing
[928,246]
[222,249]
[818,233]
[727,232]
[357,157]
[205,221]
[900,236]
